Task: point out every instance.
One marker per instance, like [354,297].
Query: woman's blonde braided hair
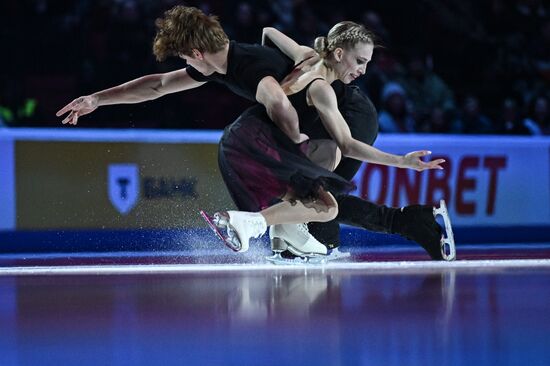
[344,35]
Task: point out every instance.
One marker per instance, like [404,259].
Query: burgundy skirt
[260,164]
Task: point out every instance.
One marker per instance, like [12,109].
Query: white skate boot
[245,225]
[448,248]
[240,227]
[296,239]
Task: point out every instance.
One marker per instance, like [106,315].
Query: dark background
[487,61]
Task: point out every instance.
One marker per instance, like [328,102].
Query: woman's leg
[324,153]
[295,237]
[242,225]
[292,234]
[324,208]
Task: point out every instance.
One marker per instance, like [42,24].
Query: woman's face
[352,62]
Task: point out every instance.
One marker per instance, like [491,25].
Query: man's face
[353,62]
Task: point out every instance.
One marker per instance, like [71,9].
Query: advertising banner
[116,185]
[109,179]
[486,181]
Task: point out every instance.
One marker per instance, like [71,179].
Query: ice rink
[378,307]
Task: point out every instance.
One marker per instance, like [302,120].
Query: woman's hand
[413,160]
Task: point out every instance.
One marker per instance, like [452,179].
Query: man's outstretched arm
[145,88]
[279,108]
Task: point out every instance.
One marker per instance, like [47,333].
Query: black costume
[247,65]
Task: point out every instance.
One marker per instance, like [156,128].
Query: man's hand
[78,107]
[413,160]
[303,137]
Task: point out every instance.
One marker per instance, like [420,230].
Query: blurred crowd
[452,66]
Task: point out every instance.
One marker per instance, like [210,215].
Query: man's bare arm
[145,88]
[279,108]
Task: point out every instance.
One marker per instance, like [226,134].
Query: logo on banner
[123,186]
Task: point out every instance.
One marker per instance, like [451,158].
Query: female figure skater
[273,177]
[414,222]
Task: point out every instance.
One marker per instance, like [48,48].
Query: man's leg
[415,222]
[356,212]
[327,233]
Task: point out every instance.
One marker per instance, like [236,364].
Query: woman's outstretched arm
[323,98]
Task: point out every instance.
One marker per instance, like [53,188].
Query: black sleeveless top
[247,65]
[307,115]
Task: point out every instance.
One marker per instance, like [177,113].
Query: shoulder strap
[311,82]
[305,88]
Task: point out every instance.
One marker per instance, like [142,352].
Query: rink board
[62,185]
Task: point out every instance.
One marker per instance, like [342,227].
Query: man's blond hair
[183,29]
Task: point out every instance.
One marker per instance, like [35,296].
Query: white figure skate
[298,241]
[239,227]
[448,248]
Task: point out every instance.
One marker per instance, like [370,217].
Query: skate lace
[258,228]
[303,228]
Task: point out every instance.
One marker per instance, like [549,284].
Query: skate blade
[448,248]
[313,259]
[336,254]
[210,221]
[277,259]
[299,253]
